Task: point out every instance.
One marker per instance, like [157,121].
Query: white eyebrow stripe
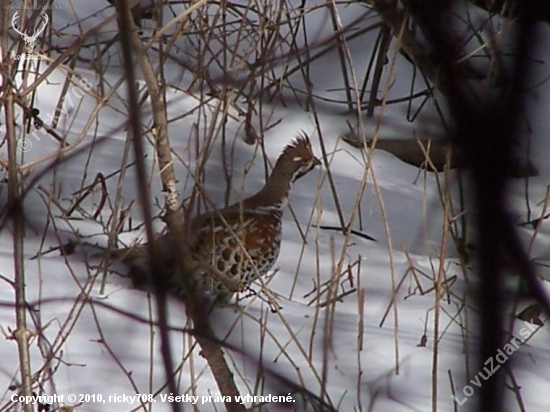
[297,159]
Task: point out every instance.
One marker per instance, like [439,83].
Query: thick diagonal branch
[195,305]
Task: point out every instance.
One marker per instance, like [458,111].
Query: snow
[371,359]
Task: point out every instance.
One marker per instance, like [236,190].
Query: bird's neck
[275,192]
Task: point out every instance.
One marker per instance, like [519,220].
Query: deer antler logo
[29,40]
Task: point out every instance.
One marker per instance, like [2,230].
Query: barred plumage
[256,221]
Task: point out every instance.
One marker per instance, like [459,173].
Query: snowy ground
[369,359]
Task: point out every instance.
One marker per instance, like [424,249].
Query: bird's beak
[314,162]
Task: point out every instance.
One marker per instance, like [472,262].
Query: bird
[231,245]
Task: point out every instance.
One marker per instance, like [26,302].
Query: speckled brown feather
[216,238]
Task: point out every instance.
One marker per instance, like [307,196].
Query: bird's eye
[302,159]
